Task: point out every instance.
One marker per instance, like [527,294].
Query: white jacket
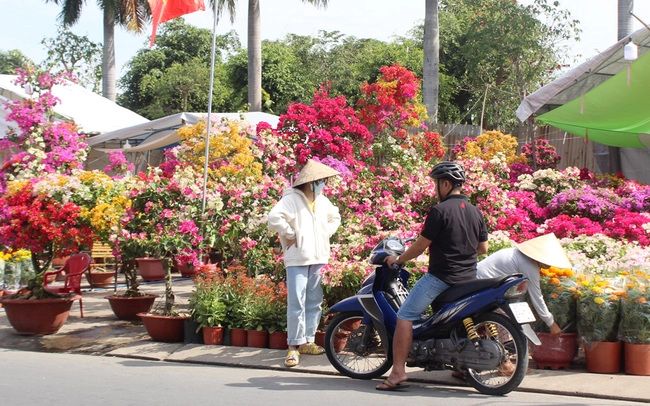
[292,218]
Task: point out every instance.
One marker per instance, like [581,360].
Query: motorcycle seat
[468,287]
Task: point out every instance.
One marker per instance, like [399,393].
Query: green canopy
[616,112]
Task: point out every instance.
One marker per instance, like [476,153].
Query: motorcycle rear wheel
[515,347]
[356,350]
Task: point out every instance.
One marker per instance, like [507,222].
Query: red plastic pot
[556,353]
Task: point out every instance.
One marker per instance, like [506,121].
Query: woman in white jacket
[305,220]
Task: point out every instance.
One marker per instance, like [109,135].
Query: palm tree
[255,52]
[431,59]
[130,14]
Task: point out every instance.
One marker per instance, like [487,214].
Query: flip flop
[459,375]
[392,386]
[311,349]
[293,358]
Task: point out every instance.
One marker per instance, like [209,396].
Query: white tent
[161,133]
[92,112]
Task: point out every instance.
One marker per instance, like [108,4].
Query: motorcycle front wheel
[514,361]
[355,349]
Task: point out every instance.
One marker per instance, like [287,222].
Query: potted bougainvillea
[43,156]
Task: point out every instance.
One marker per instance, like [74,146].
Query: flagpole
[209,122]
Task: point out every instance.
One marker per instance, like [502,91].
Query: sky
[26,22]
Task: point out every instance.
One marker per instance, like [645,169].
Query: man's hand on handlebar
[391,260]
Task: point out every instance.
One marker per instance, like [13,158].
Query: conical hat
[547,250]
[313,171]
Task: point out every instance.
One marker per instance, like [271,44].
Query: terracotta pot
[187,271]
[556,352]
[351,325]
[38,317]
[167,329]
[151,269]
[320,338]
[127,308]
[238,337]
[340,340]
[257,339]
[212,335]
[278,340]
[100,279]
[59,262]
[637,359]
[603,357]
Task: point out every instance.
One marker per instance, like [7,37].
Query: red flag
[165,10]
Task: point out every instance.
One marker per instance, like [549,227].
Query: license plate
[522,312]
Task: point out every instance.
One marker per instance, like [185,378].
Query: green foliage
[11,60]
[179,60]
[598,316]
[75,54]
[635,313]
[207,304]
[503,46]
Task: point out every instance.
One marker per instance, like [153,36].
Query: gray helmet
[448,170]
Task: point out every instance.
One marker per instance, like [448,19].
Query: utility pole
[625,9]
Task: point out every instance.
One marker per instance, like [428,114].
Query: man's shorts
[421,296]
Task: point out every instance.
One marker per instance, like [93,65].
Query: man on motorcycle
[456,234]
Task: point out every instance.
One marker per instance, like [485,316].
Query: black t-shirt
[455,227]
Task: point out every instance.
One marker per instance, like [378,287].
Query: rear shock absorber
[492,330]
[471,331]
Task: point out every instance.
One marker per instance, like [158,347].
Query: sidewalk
[100,333]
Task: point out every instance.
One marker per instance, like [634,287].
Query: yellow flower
[599,300]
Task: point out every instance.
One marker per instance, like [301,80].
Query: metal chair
[74,268]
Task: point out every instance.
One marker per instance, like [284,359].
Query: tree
[255,48]
[297,65]
[499,51]
[431,59]
[75,54]
[181,49]
[130,14]
[12,60]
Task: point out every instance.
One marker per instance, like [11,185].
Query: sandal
[311,349]
[293,358]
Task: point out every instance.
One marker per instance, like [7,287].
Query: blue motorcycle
[478,327]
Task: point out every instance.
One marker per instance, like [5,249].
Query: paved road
[30,378]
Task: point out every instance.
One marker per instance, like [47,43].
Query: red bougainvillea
[41,224]
[326,128]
